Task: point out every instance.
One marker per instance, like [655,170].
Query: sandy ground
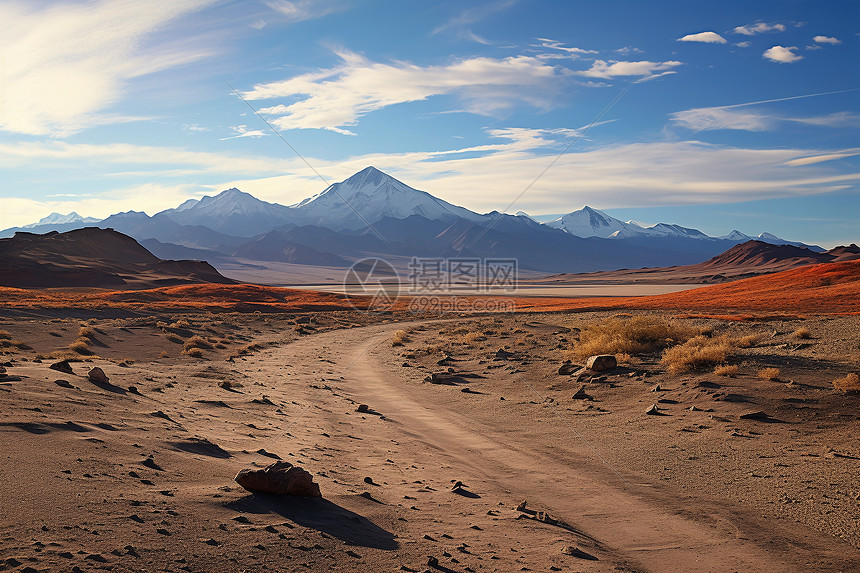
[99,477]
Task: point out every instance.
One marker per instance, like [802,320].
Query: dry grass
[194,352]
[86,332]
[748,341]
[697,353]
[196,342]
[769,374]
[636,335]
[472,338]
[81,346]
[851,383]
[726,370]
[802,333]
[399,338]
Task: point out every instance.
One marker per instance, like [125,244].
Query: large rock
[282,478]
[97,375]
[601,362]
[62,366]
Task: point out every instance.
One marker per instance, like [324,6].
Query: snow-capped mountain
[739,237]
[232,212]
[370,195]
[60,219]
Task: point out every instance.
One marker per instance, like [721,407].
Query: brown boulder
[62,366]
[601,362]
[97,375]
[282,478]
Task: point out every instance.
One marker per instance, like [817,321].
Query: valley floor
[105,477]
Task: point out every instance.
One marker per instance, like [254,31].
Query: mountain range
[374,214]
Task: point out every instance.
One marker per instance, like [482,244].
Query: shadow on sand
[320,514]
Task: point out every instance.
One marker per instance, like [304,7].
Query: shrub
[747,341]
[697,353]
[769,374]
[851,383]
[196,342]
[726,370]
[801,333]
[194,352]
[399,338]
[618,335]
[81,346]
[471,338]
[86,332]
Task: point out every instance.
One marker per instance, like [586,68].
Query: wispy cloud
[735,118]
[745,44]
[824,157]
[705,37]
[626,50]
[782,54]
[611,69]
[243,131]
[336,98]
[826,40]
[301,10]
[560,50]
[759,28]
[66,63]
[460,24]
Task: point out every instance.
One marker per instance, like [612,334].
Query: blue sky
[720,116]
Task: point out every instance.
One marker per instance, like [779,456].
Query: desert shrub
[697,353]
[196,342]
[768,374]
[726,370]
[471,338]
[748,341]
[619,335]
[81,346]
[802,333]
[181,323]
[4,335]
[86,332]
[249,348]
[399,338]
[164,354]
[194,352]
[851,383]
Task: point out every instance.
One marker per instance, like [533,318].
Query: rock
[758,415]
[567,369]
[656,388]
[503,354]
[363,408]
[580,394]
[575,552]
[282,478]
[653,410]
[601,362]
[62,366]
[2,371]
[97,375]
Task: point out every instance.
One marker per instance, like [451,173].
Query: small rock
[369,480]
[150,463]
[576,552]
[566,369]
[758,415]
[601,362]
[580,394]
[363,408]
[62,366]
[653,410]
[656,388]
[97,375]
[281,478]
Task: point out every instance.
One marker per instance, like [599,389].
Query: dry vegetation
[726,370]
[399,338]
[771,374]
[697,353]
[636,335]
[850,383]
[802,333]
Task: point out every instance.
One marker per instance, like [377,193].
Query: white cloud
[243,131]
[626,50]
[336,98]
[66,63]
[782,54]
[759,28]
[611,69]
[301,10]
[822,158]
[743,44]
[706,37]
[562,51]
[826,40]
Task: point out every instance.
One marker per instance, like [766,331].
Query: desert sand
[136,474]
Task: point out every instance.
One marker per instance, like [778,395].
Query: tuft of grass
[636,335]
[193,352]
[851,383]
[471,338]
[802,333]
[81,346]
[196,342]
[769,374]
[748,341]
[86,332]
[399,338]
[726,370]
[623,358]
[697,353]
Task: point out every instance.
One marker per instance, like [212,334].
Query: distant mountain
[60,219]
[92,257]
[231,212]
[370,195]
